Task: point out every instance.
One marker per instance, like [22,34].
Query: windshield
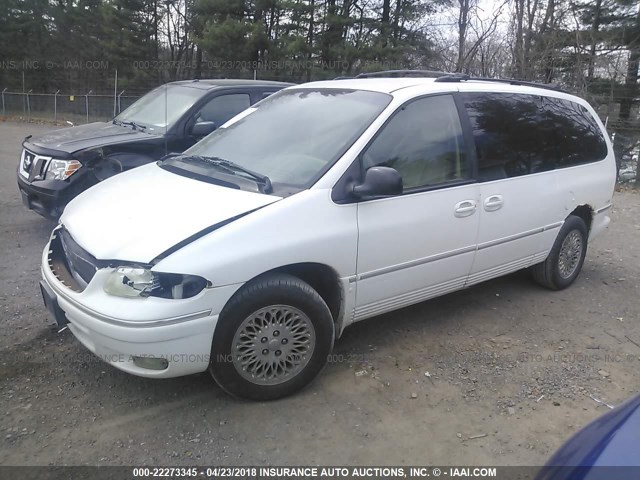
[293,136]
[162,106]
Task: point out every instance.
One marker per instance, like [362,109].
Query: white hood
[140,214]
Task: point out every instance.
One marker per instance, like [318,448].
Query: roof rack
[404,73]
[452,77]
[462,77]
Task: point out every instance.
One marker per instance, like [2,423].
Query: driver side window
[222,108]
[423,142]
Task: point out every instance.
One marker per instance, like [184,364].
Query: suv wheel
[272,338]
[565,260]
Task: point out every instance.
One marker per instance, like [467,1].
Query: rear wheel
[272,338]
[566,258]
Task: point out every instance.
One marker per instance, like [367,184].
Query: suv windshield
[161,107]
[292,137]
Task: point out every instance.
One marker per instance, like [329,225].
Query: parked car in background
[606,449]
[326,204]
[57,166]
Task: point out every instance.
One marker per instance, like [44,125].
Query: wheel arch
[585,212]
[324,280]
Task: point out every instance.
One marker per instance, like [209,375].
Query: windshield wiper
[136,126]
[234,168]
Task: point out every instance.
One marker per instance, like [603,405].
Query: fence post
[55,105]
[120,104]
[86,102]
[115,93]
[3,110]
[29,105]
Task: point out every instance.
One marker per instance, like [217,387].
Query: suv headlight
[62,169]
[138,282]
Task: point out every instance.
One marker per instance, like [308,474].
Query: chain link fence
[60,107]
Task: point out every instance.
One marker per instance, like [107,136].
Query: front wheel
[272,338]
[566,258]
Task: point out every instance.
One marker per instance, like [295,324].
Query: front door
[420,244]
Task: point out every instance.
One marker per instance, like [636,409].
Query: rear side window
[517,134]
[505,133]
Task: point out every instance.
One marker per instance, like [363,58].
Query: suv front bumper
[49,197]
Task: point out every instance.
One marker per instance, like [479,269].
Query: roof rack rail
[403,73]
[462,77]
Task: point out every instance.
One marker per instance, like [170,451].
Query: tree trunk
[386,17]
[595,27]
[518,51]
[396,22]
[463,22]
[312,13]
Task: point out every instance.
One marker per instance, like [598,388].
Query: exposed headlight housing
[138,282]
[61,169]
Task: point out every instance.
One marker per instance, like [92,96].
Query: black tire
[549,273]
[270,291]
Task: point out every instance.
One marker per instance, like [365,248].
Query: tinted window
[569,134]
[518,134]
[224,107]
[423,142]
[505,130]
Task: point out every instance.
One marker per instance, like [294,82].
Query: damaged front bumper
[122,331]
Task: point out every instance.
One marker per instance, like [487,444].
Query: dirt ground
[516,366]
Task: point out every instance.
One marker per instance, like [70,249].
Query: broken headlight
[138,282]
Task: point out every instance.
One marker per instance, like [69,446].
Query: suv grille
[33,166]
[69,262]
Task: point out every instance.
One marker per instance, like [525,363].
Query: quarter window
[569,134]
[423,142]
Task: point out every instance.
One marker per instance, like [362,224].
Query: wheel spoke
[570,254]
[273,344]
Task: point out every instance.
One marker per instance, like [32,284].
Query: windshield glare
[161,107]
[294,135]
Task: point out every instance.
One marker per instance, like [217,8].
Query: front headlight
[138,282]
[61,169]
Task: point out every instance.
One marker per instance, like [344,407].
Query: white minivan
[323,205]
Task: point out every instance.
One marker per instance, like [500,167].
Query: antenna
[166,122]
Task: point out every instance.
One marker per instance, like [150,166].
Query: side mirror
[379,182]
[202,129]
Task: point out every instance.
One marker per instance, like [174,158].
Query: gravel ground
[513,365]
